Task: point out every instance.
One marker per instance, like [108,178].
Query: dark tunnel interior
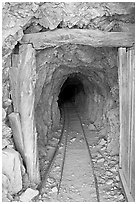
[69,90]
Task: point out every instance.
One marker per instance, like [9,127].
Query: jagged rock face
[95,68]
[20,18]
[13,170]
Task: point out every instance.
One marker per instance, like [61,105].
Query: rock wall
[12,165]
[97,70]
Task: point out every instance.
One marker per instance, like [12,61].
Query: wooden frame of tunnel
[23,79]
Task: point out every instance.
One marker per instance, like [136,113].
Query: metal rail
[64,156]
[91,159]
[43,182]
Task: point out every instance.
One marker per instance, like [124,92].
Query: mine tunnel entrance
[70,90]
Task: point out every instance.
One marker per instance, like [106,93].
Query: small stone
[109,182]
[6,131]
[81,140]
[5,143]
[113,169]
[117,178]
[100,160]
[91,127]
[7,103]
[103,148]
[28,195]
[54,190]
[121,197]
[109,173]
[57,167]
[102,142]
[3,114]
[105,163]
[73,139]
[51,180]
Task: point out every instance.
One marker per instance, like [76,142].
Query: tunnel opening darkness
[71,88]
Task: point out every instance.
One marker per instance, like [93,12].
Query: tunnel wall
[97,69]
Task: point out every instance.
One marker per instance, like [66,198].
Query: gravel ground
[78,182]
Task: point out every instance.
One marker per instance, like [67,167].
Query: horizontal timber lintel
[95,38]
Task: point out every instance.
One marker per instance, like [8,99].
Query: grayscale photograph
[68,101]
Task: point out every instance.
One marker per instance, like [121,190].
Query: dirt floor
[77,184]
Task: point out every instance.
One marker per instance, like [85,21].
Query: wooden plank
[27,80]
[93,38]
[122,64]
[15,124]
[127,140]
[125,186]
[129,90]
[132,122]
[13,75]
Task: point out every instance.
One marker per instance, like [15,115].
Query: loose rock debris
[75,188]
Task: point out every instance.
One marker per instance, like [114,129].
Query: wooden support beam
[15,124]
[27,80]
[127,109]
[93,38]
[13,75]
[122,101]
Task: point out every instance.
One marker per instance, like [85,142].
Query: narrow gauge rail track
[65,125]
[46,174]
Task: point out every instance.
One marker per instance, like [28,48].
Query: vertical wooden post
[27,80]
[126,101]
[131,66]
[122,93]
[13,74]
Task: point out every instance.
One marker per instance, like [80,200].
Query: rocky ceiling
[94,63]
[27,17]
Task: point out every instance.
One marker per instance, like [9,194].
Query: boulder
[102,142]
[12,167]
[91,127]
[28,195]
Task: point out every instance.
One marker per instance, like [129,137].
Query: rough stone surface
[28,195]
[91,127]
[5,142]
[6,131]
[12,170]
[3,114]
[33,17]
[5,182]
[113,135]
